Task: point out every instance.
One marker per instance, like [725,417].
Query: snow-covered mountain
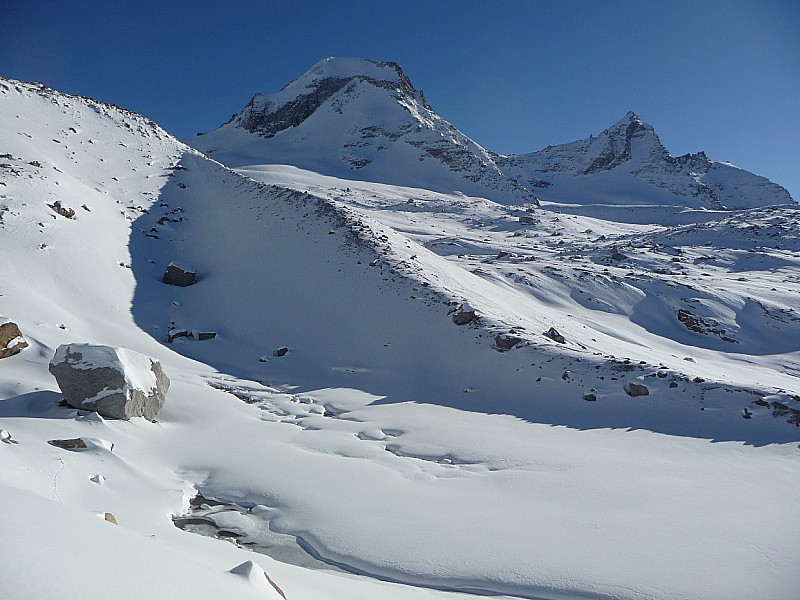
[361,119]
[364,120]
[381,391]
[628,164]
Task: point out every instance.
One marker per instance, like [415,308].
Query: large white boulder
[115,382]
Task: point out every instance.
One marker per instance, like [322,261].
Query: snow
[390,453]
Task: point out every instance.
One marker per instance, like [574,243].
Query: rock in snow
[636,389]
[114,382]
[179,275]
[11,340]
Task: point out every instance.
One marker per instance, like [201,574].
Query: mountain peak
[269,114]
[348,68]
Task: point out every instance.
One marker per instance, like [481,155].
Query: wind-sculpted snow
[346,417]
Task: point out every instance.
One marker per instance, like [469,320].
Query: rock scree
[114,382]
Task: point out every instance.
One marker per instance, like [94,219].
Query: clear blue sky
[723,77]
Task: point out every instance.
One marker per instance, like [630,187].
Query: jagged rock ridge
[364,119]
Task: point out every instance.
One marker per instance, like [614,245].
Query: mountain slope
[361,119]
[387,441]
[627,163]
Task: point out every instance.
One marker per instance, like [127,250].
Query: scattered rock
[504,343]
[636,389]
[617,255]
[70,444]
[115,382]
[5,437]
[527,220]
[110,518]
[590,398]
[673,384]
[281,351]
[11,340]
[554,335]
[199,336]
[698,380]
[179,275]
[465,315]
[62,210]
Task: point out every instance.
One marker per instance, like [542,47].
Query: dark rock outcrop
[179,275]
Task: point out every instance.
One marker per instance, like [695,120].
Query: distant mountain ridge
[363,119]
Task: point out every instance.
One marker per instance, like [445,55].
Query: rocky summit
[363,119]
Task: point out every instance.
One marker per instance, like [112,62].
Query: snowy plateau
[401,365]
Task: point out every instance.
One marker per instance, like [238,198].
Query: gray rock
[636,389]
[281,351]
[504,343]
[11,340]
[181,276]
[70,444]
[114,382]
[554,335]
[590,398]
[464,316]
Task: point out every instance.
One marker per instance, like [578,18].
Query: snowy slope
[360,119]
[389,452]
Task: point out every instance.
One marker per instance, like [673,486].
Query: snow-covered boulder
[11,340]
[180,275]
[115,382]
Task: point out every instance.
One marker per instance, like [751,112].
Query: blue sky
[723,77]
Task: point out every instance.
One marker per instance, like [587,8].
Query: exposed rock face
[179,275]
[114,382]
[636,389]
[11,340]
